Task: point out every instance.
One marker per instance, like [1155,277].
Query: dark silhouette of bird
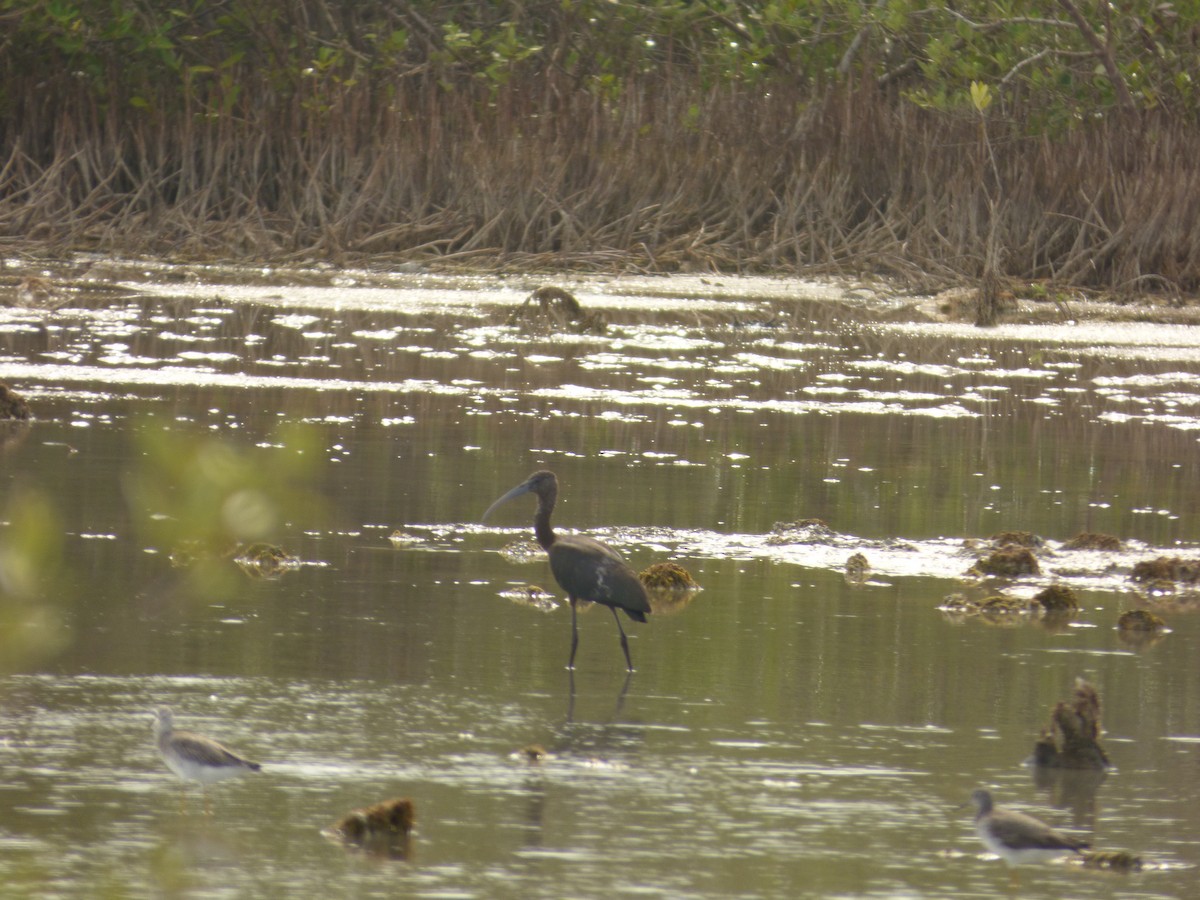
[585,568]
[1017,838]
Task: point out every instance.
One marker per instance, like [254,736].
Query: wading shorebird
[194,757]
[1017,838]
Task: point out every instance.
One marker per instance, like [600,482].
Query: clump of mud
[554,308]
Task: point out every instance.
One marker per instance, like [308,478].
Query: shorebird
[1017,838]
[194,757]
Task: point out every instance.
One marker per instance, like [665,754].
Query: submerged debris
[1167,568]
[857,569]
[1092,540]
[1140,628]
[1010,561]
[557,308]
[36,292]
[265,561]
[382,829]
[994,609]
[1112,860]
[531,595]
[404,539]
[13,405]
[534,754]
[1073,739]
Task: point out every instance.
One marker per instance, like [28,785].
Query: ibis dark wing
[590,570]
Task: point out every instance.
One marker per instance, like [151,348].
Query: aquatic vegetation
[669,587]
[1010,561]
[1073,739]
[1140,620]
[1058,598]
[1090,540]
[804,531]
[1141,628]
[12,404]
[1028,539]
[667,576]
[383,829]
[1167,568]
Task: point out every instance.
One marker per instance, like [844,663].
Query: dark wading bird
[586,569]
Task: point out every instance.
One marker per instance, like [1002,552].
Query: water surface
[789,733]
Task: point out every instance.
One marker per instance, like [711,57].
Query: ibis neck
[541,521]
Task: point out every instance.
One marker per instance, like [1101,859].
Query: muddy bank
[95,280]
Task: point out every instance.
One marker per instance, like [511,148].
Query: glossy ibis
[585,568]
[1017,838]
[194,757]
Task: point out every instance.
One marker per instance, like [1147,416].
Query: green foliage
[206,495]
[158,57]
[31,628]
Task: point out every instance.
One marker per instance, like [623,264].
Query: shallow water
[789,733]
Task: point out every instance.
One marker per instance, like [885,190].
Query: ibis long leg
[574,636]
[624,640]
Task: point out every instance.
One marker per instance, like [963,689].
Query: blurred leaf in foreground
[31,626]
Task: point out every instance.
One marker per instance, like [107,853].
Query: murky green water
[789,733]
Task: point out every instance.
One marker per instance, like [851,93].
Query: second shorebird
[585,568]
[1017,838]
[194,757]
